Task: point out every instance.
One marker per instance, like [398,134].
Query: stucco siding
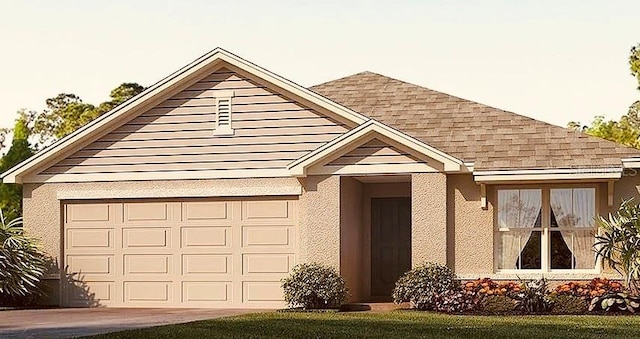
[320,220]
[270,131]
[627,187]
[351,245]
[469,227]
[429,218]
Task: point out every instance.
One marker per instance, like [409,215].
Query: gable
[432,160]
[152,97]
[175,139]
[374,156]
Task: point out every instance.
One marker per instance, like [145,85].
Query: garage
[178,253]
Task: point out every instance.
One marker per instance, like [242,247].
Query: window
[546,229]
[223,113]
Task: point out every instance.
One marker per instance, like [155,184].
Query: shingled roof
[491,138]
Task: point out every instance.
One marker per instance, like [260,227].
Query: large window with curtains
[546,229]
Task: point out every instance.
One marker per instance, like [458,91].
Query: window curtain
[584,208]
[576,208]
[517,209]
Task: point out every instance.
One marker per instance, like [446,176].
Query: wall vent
[224,113]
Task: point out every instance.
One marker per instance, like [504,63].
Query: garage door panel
[87,213]
[90,293]
[146,212]
[199,264]
[267,236]
[90,239]
[261,291]
[260,263]
[147,264]
[91,264]
[207,291]
[148,291]
[266,209]
[206,211]
[190,253]
[203,236]
[146,237]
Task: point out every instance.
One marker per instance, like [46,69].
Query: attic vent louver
[223,113]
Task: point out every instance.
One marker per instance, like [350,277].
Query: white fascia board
[180,193]
[631,162]
[146,176]
[108,119]
[11,175]
[548,174]
[364,131]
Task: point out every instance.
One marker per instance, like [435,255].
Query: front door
[390,243]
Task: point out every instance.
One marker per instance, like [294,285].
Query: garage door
[191,253]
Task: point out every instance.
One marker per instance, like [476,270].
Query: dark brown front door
[390,243]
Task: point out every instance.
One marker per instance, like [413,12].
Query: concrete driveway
[74,322]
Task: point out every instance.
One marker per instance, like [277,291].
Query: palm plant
[618,242]
[22,264]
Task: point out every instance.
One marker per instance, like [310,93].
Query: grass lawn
[396,324]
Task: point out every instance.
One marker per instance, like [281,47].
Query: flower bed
[423,289]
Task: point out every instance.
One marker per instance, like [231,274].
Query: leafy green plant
[314,286]
[22,264]
[568,304]
[423,285]
[618,242]
[613,302]
[497,304]
[533,298]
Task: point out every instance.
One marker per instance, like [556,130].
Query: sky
[556,61]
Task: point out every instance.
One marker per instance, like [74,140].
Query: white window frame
[222,96]
[546,235]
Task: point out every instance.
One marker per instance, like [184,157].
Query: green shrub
[568,304]
[497,304]
[423,285]
[314,286]
[22,264]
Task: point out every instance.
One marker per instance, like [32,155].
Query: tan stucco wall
[469,227]
[42,208]
[627,187]
[351,232]
[320,220]
[429,218]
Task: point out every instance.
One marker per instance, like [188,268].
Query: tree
[66,112]
[626,131]
[11,194]
[618,240]
[634,63]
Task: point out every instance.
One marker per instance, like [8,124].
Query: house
[208,187]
